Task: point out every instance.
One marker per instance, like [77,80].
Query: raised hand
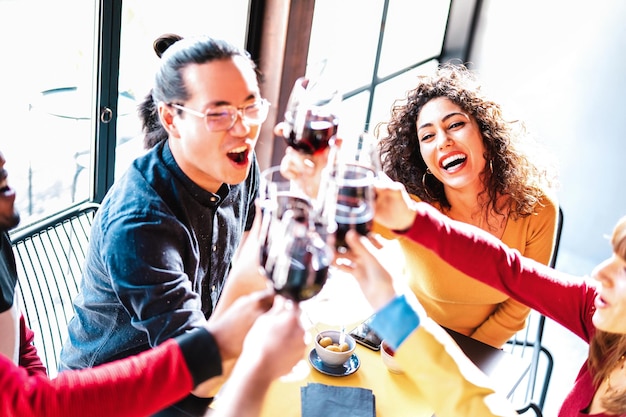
[361,261]
[394,208]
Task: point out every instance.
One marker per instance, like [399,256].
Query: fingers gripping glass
[220,118]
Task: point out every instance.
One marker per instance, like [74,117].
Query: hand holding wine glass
[295,251]
[298,260]
[354,201]
[351,186]
[311,116]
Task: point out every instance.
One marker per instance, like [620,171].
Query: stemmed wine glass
[353,202]
[297,260]
[311,115]
[295,244]
[351,187]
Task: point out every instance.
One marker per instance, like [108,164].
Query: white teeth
[446,162]
[239,149]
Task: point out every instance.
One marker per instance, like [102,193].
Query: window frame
[284,50]
[107,67]
[277,38]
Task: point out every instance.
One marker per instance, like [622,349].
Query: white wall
[560,65]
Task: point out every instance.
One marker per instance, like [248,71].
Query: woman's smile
[453,161]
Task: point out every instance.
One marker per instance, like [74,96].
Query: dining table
[395,394]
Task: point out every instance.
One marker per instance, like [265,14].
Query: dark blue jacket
[160,250]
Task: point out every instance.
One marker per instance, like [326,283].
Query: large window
[49,86]
[75,71]
[46,84]
[374,48]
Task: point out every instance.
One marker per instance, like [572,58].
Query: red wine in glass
[310,116]
[347,217]
[354,204]
[297,262]
[314,136]
[285,202]
[305,274]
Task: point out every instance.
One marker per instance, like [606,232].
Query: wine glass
[353,202]
[360,149]
[310,116]
[280,194]
[350,186]
[295,244]
[297,260]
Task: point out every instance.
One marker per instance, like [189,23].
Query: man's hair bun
[163,42]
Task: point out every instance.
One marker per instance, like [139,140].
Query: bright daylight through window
[48,89]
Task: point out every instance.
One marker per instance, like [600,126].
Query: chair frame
[531,337]
[49,257]
[531,406]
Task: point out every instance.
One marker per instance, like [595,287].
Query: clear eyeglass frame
[224,117]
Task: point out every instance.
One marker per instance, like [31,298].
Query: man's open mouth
[239,155]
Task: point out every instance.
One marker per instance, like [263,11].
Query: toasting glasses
[311,115]
[350,189]
[296,252]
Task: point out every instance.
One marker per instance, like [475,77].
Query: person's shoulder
[548,199]
[548,205]
[132,201]
[137,186]
[544,215]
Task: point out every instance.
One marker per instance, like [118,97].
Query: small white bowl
[388,358]
[330,357]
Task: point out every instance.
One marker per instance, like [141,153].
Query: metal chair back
[49,256]
[528,342]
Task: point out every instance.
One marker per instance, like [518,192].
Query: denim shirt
[160,250]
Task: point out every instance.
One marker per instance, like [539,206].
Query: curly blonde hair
[509,170]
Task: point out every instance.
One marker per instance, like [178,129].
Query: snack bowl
[330,351]
[387,353]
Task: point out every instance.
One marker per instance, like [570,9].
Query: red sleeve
[29,359]
[566,299]
[131,387]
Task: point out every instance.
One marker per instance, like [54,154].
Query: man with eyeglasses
[168,231]
[141,384]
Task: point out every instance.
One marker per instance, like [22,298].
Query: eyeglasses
[221,118]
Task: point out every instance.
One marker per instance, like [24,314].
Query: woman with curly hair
[452,147]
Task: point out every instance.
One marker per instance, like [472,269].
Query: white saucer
[349,367]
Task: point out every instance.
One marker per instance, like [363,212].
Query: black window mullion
[380,80]
[375,79]
[255,28]
[107,96]
[460,30]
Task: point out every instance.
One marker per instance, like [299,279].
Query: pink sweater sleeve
[130,387]
[566,299]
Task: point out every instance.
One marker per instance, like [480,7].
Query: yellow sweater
[453,385]
[457,301]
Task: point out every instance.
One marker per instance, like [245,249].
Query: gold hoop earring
[491,165]
[424,184]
